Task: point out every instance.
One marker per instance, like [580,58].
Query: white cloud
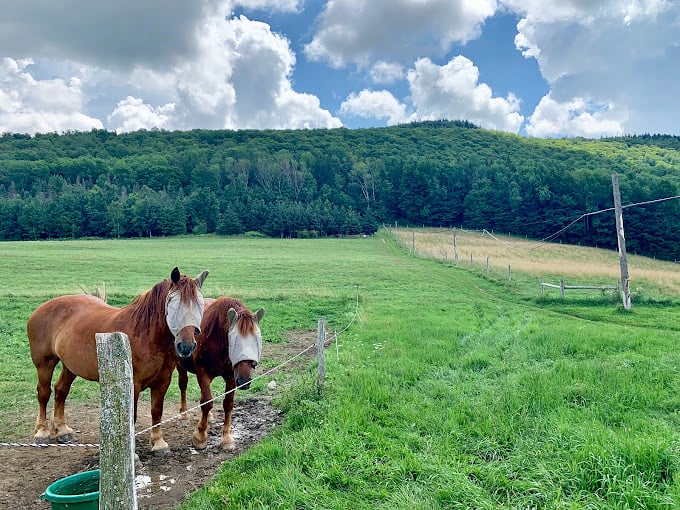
[574,118]
[132,114]
[386,72]
[375,104]
[362,31]
[28,105]
[453,91]
[274,5]
[211,72]
[261,66]
[614,60]
[240,79]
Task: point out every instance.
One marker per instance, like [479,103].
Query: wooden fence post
[562,288]
[320,340]
[117,426]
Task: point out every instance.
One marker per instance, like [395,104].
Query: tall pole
[618,211]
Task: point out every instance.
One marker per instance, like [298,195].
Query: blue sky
[542,68]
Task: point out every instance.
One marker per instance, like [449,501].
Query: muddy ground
[163,482]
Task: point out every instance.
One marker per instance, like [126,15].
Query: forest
[338,182]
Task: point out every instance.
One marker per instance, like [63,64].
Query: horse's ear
[232,315]
[174,276]
[259,314]
[201,278]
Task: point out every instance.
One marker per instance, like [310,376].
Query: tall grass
[454,389]
[577,264]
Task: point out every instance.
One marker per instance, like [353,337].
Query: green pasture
[453,388]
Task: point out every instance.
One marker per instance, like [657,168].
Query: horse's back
[65,327]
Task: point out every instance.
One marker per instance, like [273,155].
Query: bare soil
[163,481]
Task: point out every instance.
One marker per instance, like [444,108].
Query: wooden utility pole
[618,211]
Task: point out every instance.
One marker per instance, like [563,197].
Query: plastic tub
[75,492]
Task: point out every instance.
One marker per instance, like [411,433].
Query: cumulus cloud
[362,31]
[574,118]
[453,91]
[28,105]
[275,5]
[375,104]
[222,73]
[132,114]
[386,72]
[606,62]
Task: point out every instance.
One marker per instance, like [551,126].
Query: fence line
[564,287]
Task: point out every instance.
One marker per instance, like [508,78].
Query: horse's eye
[197,331]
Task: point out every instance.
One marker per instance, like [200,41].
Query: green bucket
[75,492]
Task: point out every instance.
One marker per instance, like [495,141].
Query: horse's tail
[99,292]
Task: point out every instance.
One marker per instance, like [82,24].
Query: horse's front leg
[182,382]
[158,444]
[60,429]
[228,442]
[200,437]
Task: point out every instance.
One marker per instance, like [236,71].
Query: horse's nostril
[183,350]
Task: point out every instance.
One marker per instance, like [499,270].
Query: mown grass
[454,389]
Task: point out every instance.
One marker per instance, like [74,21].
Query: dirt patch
[163,482]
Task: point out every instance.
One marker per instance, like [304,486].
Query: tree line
[338,182]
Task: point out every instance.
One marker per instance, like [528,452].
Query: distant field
[549,260]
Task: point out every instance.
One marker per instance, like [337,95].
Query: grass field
[456,388]
[579,264]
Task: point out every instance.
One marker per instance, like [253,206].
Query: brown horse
[63,329]
[229,345]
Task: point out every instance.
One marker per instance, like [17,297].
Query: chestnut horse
[63,329]
[229,345]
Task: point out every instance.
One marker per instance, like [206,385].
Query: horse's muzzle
[242,374]
[185,347]
[243,383]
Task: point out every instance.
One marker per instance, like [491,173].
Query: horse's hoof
[69,437]
[229,446]
[42,439]
[160,447]
[199,445]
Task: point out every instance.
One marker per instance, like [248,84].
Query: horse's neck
[145,315]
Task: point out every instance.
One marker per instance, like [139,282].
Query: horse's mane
[150,305]
[216,318]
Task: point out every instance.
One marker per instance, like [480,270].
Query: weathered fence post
[562,288]
[455,247]
[320,341]
[542,290]
[117,426]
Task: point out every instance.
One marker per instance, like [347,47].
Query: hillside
[338,182]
